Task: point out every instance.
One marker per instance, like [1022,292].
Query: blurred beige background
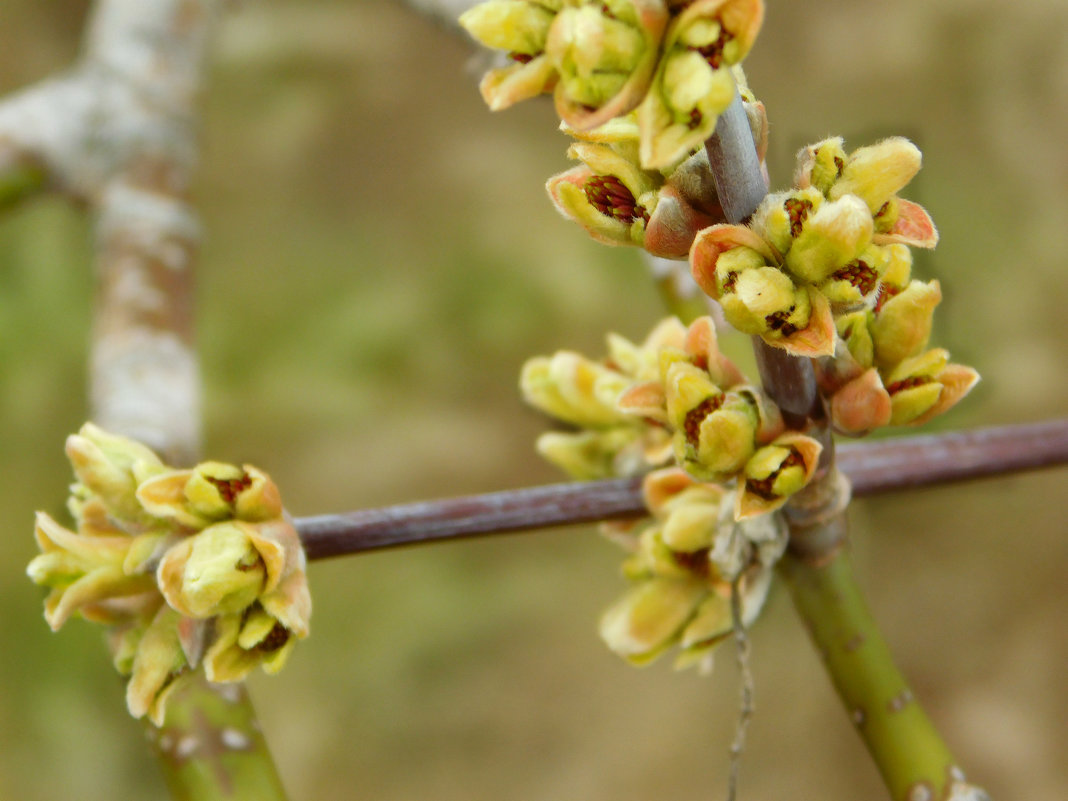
[380,257]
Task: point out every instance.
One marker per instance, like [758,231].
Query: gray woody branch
[117,133]
[873,468]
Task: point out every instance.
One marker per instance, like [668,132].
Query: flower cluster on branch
[639,84]
[824,270]
[718,463]
[821,270]
[668,61]
[187,568]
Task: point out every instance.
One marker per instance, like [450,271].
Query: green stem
[910,754]
[210,747]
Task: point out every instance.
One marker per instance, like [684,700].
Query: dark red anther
[691,426]
[798,209]
[229,489]
[609,196]
[778,322]
[277,637]
[713,51]
[859,274]
[694,561]
[763,486]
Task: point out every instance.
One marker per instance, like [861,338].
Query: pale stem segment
[898,734]
[914,762]
[117,133]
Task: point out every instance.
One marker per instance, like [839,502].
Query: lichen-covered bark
[117,134]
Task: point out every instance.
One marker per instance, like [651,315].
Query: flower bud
[861,405]
[775,472]
[605,54]
[780,216]
[574,389]
[609,196]
[521,28]
[830,238]
[878,172]
[694,84]
[158,664]
[857,283]
[110,467]
[903,325]
[588,455]
[85,573]
[221,570]
[244,641]
[821,165]
[516,26]
[924,386]
[649,618]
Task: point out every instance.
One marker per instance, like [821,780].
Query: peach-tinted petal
[749,504]
[711,242]
[163,496]
[769,418]
[645,400]
[815,339]
[957,381]
[96,585]
[702,344]
[914,226]
[660,486]
[290,603]
[673,225]
[861,405]
[649,617]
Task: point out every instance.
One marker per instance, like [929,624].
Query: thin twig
[874,467]
[746,689]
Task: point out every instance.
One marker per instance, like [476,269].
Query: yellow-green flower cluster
[677,410]
[601,59]
[882,372]
[675,396]
[684,565]
[619,203]
[605,440]
[818,250]
[188,568]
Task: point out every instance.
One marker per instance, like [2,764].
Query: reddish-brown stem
[874,467]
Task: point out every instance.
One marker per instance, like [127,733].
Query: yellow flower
[775,472]
[683,569]
[694,82]
[596,57]
[170,559]
[85,573]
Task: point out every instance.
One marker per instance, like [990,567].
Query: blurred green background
[380,257]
